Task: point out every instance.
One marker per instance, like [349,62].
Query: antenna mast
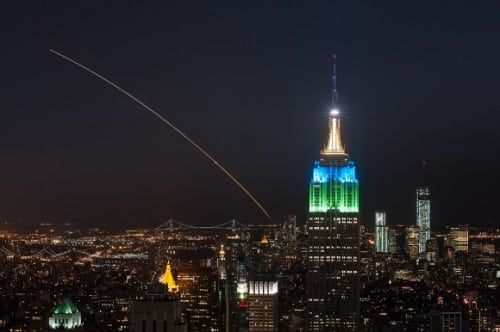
[335,96]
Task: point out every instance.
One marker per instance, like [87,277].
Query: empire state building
[333,235]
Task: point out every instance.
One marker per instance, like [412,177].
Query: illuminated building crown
[334,186]
[334,149]
[168,278]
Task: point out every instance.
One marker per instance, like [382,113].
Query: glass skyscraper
[423,216]
[333,238]
[380,232]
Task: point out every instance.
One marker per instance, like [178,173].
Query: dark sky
[250,81]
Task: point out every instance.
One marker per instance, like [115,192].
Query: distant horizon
[114,229]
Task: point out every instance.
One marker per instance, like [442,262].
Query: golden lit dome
[264,240]
[168,279]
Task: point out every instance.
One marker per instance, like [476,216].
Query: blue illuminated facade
[334,187]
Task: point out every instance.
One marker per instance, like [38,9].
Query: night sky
[250,81]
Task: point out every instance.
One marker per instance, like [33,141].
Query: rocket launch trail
[186,137]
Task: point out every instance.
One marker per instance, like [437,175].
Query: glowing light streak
[186,137]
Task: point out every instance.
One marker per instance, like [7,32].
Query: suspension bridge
[173,225]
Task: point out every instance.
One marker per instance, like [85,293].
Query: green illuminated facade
[334,188]
[66,307]
[66,316]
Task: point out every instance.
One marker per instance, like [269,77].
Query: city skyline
[251,84]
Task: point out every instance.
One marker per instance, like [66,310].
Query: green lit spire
[66,307]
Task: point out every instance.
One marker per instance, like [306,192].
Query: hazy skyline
[251,84]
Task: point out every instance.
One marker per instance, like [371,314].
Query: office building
[391,240]
[381,233]
[199,289]
[446,321]
[459,238]
[412,241]
[159,311]
[333,236]
[262,306]
[423,217]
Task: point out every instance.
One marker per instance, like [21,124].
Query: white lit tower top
[221,263]
[334,149]
[222,253]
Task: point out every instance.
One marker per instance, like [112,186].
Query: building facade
[263,306]
[333,239]
[66,316]
[381,233]
[391,240]
[158,311]
[423,217]
[198,293]
[446,321]
[412,241]
[459,238]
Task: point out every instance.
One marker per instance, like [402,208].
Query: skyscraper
[263,306]
[333,236]
[412,241]
[158,311]
[459,238]
[391,240]
[198,293]
[423,216]
[380,232]
[446,321]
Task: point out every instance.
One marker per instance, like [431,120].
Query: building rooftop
[168,279]
[66,307]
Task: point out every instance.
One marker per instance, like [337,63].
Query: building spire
[168,279]
[334,149]
[335,96]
